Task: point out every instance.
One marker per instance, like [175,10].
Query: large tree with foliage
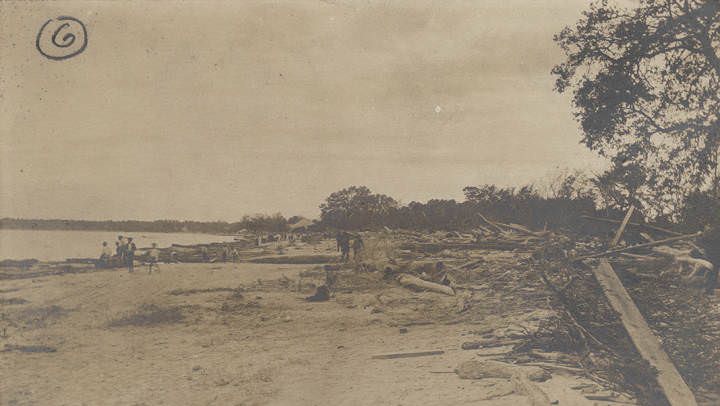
[646,85]
[356,207]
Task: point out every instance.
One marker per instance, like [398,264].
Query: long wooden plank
[675,389]
[408,354]
[624,224]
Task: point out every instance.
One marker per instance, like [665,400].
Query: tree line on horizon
[561,206]
[260,222]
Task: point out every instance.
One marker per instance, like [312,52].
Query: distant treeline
[357,207]
[265,223]
[562,207]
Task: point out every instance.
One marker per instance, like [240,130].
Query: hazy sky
[213,110]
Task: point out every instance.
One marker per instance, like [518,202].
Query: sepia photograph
[359,202]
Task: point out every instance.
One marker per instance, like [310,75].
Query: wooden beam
[624,224]
[408,354]
[671,382]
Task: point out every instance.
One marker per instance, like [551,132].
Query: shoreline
[53,246]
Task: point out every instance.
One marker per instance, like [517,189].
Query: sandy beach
[242,334]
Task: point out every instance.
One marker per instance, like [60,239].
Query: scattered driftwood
[492,225]
[638,257]
[411,281]
[535,395]
[521,377]
[408,354]
[496,369]
[647,237]
[22,263]
[28,348]
[674,387]
[609,398]
[295,259]
[488,343]
[472,264]
[669,379]
[522,229]
[638,246]
[642,225]
[557,367]
[683,256]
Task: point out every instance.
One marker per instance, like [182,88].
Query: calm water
[57,245]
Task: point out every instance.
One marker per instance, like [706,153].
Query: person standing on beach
[121,246]
[358,245]
[105,255]
[153,258]
[344,244]
[338,239]
[130,254]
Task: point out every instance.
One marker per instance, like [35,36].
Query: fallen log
[417,283]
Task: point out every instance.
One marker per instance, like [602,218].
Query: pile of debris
[621,305]
[492,235]
[636,313]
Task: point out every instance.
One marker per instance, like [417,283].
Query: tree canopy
[646,86]
[355,207]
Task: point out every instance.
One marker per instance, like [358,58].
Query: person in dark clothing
[338,239]
[130,249]
[710,242]
[358,245]
[344,245]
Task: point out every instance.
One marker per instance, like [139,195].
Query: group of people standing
[346,240]
[124,254]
